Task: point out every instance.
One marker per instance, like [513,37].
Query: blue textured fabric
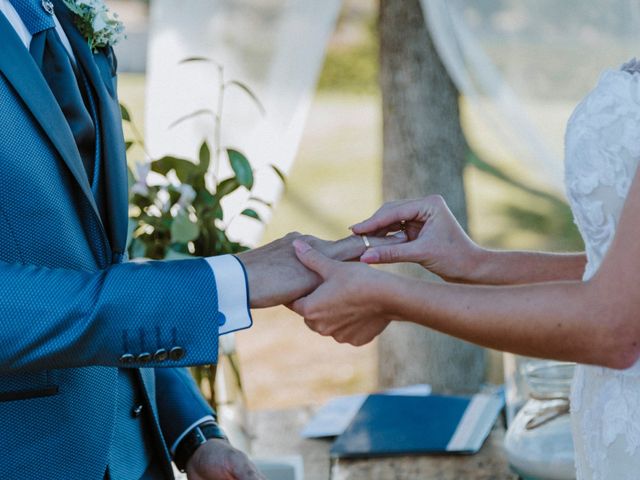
[132,448]
[72,92]
[33,15]
[179,402]
[69,309]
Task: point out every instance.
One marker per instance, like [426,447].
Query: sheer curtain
[522,65]
[274,47]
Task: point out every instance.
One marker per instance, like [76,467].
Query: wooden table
[277,433]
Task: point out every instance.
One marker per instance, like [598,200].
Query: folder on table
[401,425]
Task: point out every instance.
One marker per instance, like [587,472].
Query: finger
[387,240]
[387,216]
[298,306]
[313,259]
[406,252]
[381,232]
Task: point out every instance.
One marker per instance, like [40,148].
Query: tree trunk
[424,153]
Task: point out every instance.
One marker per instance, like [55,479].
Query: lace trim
[632,66]
[602,149]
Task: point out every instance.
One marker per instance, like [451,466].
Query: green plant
[180,214]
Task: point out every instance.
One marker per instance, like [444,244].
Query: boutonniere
[96,23]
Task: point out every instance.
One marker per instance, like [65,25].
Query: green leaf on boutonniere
[241,167]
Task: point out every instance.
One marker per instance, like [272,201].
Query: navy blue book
[401,425]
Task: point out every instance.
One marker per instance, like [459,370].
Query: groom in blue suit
[93,348]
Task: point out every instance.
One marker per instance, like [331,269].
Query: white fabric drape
[275,47]
[523,64]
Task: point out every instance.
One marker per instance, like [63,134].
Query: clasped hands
[332,285]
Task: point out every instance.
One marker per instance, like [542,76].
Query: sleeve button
[144,357]
[177,353]
[161,355]
[222,319]
[127,358]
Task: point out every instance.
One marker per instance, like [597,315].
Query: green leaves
[250,212]
[183,230]
[226,187]
[241,167]
[124,113]
[205,157]
[167,219]
[279,173]
[184,169]
[249,92]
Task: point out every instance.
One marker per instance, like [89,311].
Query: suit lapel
[24,76]
[98,69]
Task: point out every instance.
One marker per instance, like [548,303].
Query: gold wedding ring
[366,241]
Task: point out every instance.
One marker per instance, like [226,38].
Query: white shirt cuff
[233,293]
[189,428]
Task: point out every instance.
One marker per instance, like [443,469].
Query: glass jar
[538,443]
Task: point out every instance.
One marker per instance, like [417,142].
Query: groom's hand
[276,276]
[218,460]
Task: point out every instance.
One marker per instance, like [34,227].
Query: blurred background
[517,92]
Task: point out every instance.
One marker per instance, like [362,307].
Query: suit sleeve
[180,403]
[154,314]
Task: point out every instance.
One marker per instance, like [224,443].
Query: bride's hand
[435,238]
[349,305]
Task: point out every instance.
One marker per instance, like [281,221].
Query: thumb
[313,259]
[405,252]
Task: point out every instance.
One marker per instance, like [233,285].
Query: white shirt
[231,284]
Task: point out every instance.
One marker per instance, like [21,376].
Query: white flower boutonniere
[96,23]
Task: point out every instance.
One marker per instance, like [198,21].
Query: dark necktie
[66,81]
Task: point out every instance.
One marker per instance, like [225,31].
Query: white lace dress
[602,148]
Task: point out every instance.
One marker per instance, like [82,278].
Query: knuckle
[436,199]
[324,329]
[310,239]
[391,255]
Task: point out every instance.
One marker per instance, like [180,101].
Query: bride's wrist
[480,262]
[474,268]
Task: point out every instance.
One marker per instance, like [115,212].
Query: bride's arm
[439,244]
[500,267]
[595,322]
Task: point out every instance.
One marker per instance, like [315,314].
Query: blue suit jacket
[71,309]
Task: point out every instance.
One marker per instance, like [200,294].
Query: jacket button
[222,319]
[127,358]
[144,357]
[177,353]
[137,411]
[161,355]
